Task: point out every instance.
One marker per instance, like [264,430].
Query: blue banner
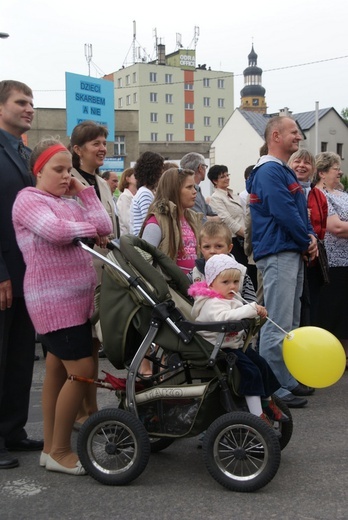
[89,99]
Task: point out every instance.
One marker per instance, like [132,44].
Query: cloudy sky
[301,45]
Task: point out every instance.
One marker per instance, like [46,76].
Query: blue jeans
[282,284]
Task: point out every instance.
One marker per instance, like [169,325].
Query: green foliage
[344,181]
[344,113]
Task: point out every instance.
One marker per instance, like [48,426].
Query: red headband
[45,156]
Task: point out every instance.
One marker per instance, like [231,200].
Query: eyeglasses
[223,175]
[204,165]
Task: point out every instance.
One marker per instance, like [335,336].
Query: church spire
[253,93]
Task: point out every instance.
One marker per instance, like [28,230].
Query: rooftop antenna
[138,52]
[134,41]
[154,32]
[178,41]
[88,56]
[195,37]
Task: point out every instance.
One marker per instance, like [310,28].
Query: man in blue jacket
[282,239]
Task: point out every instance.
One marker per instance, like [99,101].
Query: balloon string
[287,334]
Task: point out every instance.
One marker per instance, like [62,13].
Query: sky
[301,45]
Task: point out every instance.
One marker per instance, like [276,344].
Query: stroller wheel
[241,451]
[284,427]
[113,447]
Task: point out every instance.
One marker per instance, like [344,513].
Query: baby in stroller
[143,302]
[216,299]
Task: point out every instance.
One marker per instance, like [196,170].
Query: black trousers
[17,350]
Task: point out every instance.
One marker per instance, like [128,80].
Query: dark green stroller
[145,312]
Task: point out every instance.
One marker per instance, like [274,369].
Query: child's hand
[75,187]
[261,311]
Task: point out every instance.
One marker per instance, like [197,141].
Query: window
[221,83]
[169,137]
[135,97]
[153,97]
[119,82]
[188,86]
[134,77]
[206,121]
[206,82]
[168,78]
[153,117]
[169,118]
[189,126]
[339,150]
[154,136]
[221,122]
[206,101]
[188,106]
[120,102]
[221,103]
[120,145]
[207,138]
[128,79]
[153,77]
[323,146]
[169,98]
[128,100]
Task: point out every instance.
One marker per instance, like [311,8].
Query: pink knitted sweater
[60,278]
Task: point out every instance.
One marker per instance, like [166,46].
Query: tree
[344,113]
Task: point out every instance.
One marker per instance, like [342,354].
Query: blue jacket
[278,208]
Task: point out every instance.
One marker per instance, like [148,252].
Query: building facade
[177,102]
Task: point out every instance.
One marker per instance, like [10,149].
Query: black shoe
[101,353]
[292,401]
[7,461]
[36,358]
[25,445]
[301,390]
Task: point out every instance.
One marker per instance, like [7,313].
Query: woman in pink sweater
[58,287]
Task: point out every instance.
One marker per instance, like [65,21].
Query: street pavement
[311,483]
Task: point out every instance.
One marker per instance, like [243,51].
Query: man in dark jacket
[17,336]
[282,239]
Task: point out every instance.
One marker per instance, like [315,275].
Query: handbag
[322,255]
[323,262]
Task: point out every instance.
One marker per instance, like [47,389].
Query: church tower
[253,93]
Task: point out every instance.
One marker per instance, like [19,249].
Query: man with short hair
[17,335]
[282,239]
[112,180]
[196,162]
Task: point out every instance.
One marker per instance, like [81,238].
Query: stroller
[144,311]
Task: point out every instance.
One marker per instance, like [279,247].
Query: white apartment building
[177,101]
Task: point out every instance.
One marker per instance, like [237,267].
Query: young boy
[215,238]
[216,299]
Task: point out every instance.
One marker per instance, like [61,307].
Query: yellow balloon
[314,356]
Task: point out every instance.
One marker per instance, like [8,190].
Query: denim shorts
[71,343]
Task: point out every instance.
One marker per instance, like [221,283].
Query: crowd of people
[54,194]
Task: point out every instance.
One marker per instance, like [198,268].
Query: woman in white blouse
[128,188]
[229,208]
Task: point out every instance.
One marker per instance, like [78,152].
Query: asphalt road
[311,483]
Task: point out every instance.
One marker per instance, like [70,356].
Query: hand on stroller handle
[78,241]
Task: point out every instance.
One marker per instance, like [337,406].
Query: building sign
[187,60]
[183,58]
[112,164]
[89,99]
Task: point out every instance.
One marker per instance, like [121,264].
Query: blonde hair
[212,228]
